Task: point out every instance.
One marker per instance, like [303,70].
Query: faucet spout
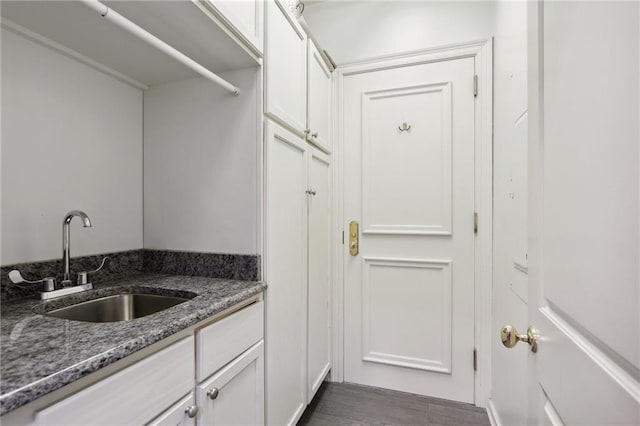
[66,240]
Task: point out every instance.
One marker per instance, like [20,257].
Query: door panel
[406,182]
[423,289]
[584,168]
[409,181]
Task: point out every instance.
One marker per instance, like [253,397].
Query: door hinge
[475,86]
[475,360]
[475,222]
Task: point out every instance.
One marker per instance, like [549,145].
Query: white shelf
[79,31]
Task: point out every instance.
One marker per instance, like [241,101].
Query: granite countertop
[40,354]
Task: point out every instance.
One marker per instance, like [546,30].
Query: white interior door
[409,182]
[584,254]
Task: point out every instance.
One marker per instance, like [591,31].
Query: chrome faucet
[66,240]
[50,289]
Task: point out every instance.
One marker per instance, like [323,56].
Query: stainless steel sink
[119,307]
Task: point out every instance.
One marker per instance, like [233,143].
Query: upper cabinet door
[286,74]
[319,102]
[245,17]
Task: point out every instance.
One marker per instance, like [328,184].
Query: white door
[584,255]
[235,394]
[409,183]
[319,270]
[286,273]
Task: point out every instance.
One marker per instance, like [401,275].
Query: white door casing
[584,106]
[409,181]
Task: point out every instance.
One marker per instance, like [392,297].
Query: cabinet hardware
[213,393]
[314,135]
[191,411]
[475,86]
[404,127]
[310,192]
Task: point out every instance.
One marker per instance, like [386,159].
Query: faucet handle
[83,277]
[16,277]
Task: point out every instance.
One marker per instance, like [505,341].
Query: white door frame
[481,51]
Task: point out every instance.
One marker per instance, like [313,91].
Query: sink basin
[119,307]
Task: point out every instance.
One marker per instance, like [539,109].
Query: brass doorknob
[510,337]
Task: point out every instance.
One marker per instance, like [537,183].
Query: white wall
[71,139]
[509,391]
[201,165]
[353,30]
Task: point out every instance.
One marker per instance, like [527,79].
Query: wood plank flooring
[342,404]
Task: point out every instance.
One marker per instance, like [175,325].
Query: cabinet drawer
[134,395]
[221,342]
[177,415]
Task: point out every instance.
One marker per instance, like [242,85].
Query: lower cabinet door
[235,394]
[183,413]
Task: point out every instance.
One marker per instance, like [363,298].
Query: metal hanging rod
[114,17]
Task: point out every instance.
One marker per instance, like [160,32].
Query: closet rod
[134,29]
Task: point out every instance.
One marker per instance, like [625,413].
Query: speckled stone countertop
[40,354]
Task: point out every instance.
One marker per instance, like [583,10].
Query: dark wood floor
[342,404]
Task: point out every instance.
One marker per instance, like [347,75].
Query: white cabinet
[297,268]
[244,17]
[230,369]
[285,68]
[319,267]
[135,395]
[318,99]
[159,389]
[286,273]
[234,395]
